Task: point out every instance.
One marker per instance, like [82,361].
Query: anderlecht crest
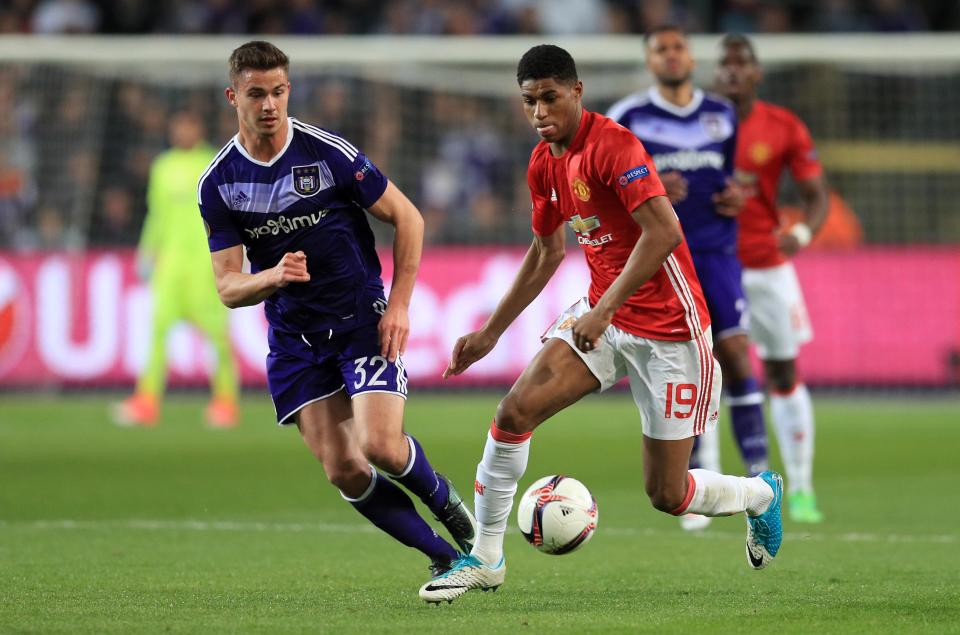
[306,179]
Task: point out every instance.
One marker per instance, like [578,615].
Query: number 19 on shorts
[680,396]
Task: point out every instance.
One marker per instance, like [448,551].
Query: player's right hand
[468,349]
[675,185]
[291,268]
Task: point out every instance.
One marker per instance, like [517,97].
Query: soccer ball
[557,514]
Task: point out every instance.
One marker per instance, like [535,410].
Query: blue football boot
[765,532]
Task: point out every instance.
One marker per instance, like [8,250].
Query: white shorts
[779,323]
[676,385]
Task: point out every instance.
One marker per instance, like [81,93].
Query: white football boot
[466,573]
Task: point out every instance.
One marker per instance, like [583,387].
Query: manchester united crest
[580,189]
[760,153]
[306,179]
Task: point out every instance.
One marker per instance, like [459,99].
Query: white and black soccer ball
[557,514]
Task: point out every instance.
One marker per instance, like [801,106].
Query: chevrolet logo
[583,225]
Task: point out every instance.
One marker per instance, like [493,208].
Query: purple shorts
[307,367]
[720,275]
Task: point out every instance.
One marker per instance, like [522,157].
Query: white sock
[723,495]
[504,462]
[792,416]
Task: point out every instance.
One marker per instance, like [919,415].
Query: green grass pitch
[183,529]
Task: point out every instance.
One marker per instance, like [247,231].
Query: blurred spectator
[263,17]
[773,18]
[563,17]
[304,18]
[458,194]
[838,16]
[51,232]
[640,16]
[204,16]
[15,16]
[896,15]
[130,16]
[18,190]
[116,222]
[66,16]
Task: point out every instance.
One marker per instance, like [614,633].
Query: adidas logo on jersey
[240,198]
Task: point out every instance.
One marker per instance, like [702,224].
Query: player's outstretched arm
[661,235]
[541,262]
[236,288]
[395,208]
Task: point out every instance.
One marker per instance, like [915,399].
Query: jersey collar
[276,157]
[657,99]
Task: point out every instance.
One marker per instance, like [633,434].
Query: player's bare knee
[390,455]
[513,417]
[781,376]
[666,498]
[350,477]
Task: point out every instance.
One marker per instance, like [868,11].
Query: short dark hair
[258,56]
[739,39]
[546,61]
[663,28]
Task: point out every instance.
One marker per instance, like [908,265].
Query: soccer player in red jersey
[644,318]
[771,139]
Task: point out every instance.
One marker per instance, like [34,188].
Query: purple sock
[694,454]
[386,506]
[418,477]
[746,413]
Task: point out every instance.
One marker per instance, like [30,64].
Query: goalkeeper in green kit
[173,250]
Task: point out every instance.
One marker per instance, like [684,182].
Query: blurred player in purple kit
[295,197]
[692,138]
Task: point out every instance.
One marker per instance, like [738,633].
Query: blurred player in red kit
[771,139]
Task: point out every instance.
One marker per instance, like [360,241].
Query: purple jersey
[311,197]
[698,140]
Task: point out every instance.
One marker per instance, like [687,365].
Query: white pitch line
[347,528]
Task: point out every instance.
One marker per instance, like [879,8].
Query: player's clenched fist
[291,268]
[729,201]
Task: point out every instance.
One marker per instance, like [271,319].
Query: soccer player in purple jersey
[296,197]
[692,138]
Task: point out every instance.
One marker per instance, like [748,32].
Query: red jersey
[599,181]
[768,139]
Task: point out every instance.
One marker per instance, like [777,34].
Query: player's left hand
[675,185]
[394,330]
[730,200]
[588,329]
[788,243]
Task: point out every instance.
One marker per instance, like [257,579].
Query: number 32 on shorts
[680,396]
[376,365]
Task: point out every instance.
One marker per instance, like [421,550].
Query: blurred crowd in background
[76,146]
[473,17]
